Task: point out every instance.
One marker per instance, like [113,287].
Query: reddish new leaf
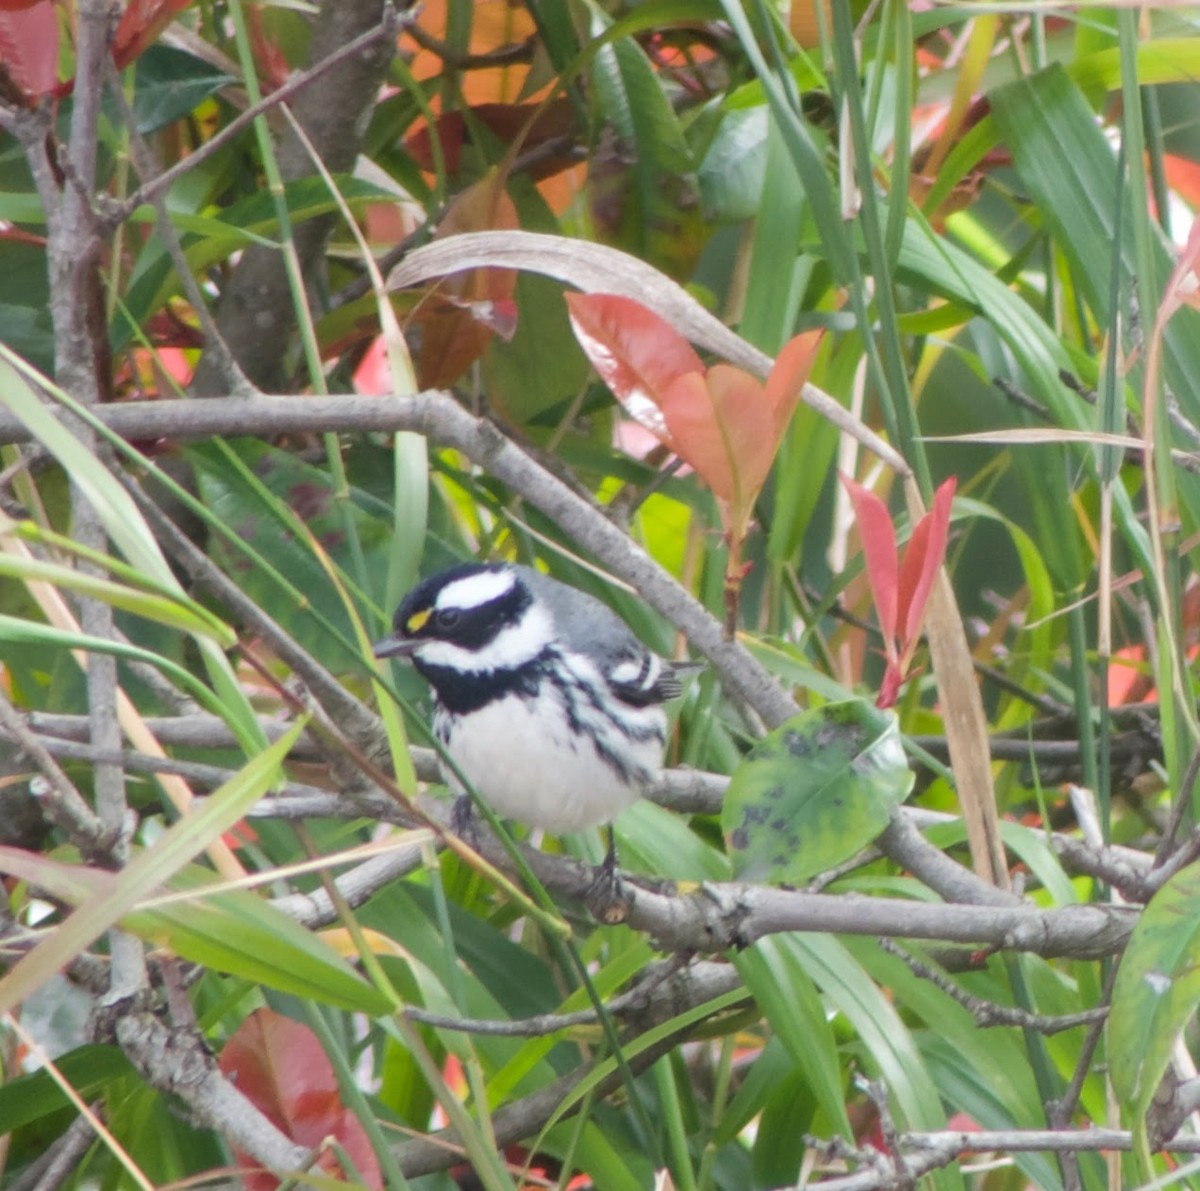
[140,24]
[720,423]
[788,374]
[923,556]
[878,536]
[637,354]
[279,1065]
[29,46]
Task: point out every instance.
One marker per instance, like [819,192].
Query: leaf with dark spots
[796,744]
[826,782]
[308,500]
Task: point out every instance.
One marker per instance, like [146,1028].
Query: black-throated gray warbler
[544,699]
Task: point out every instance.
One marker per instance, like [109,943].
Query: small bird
[544,699]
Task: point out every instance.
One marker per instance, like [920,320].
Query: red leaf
[140,23]
[637,354]
[878,536]
[722,425]
[924,554]
[29,45]
[788,375]
[279,1065]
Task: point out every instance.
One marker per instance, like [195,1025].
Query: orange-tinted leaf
[878,536]
[279,1065]
[924,554]
[140,23]
[1183,176]
[272,63]
[458,326]
[788,374]
[637,354]
[694,433]
[721,425]
[29,45]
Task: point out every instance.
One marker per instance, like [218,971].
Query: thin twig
[988,1014]
[389,24]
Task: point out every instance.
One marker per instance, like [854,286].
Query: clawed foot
[607,896]
[463,822]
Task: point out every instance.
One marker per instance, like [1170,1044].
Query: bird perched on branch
[545,701]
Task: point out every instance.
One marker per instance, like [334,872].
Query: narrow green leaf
[790,1002]
[114,506]
[88,1069]
[237,932]
[29,632]
[175,612]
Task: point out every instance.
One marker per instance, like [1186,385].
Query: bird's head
[471,618]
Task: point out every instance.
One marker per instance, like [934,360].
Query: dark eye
[447,618]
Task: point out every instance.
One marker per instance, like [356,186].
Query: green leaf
[1156,991]
[88,1069]
[169,84]
[235,931]
[814,792]
[1069,169]
[168,607]
[790,1002]
[268,494]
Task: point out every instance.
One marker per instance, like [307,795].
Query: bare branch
[177,1061]
[988,1014]
[389,24]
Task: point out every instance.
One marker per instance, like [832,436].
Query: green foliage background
[1003,277]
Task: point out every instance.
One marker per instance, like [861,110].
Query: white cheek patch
[476,590]
[514,646]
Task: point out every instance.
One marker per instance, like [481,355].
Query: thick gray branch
[176,1061]
[720,916]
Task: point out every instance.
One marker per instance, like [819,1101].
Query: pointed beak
[395,647]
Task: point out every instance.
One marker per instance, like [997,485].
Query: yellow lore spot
[416,622]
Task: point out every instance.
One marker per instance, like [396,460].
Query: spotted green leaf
[814,792]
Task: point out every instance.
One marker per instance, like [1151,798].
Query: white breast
[522,756]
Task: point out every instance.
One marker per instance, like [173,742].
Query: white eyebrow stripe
[476,590]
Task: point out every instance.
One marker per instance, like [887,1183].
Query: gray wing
[636,674]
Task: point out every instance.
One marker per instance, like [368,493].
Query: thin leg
[462,819]
[607,896]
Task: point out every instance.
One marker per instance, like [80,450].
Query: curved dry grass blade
[596,268]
